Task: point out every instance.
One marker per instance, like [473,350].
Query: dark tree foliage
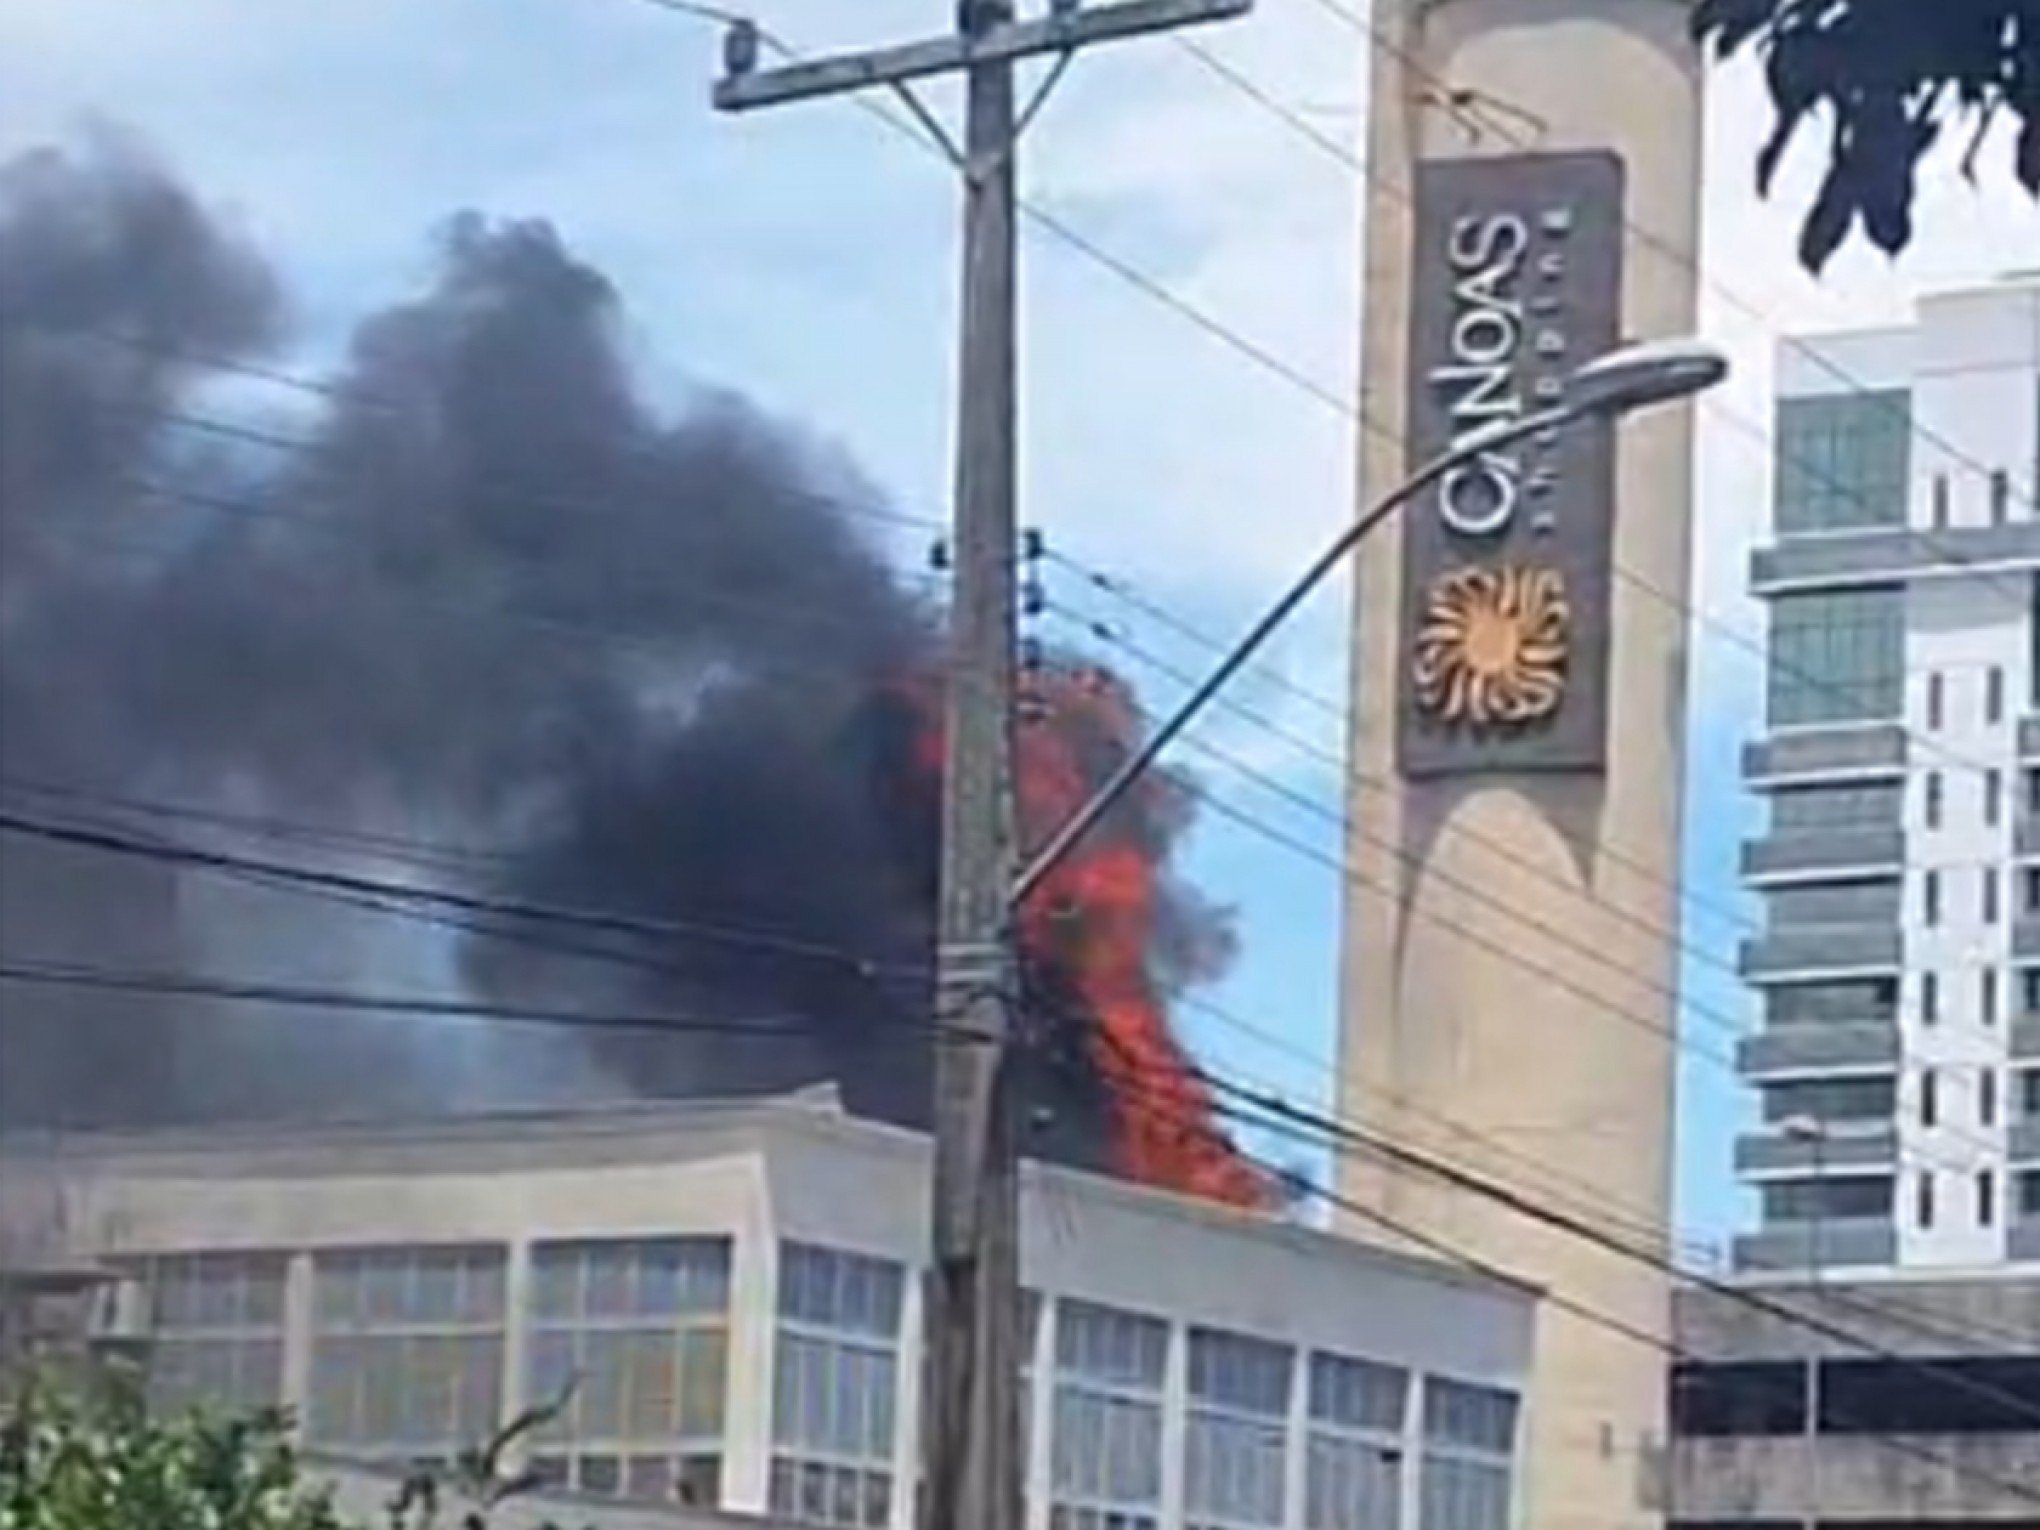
[1888,78]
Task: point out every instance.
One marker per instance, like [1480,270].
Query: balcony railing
[1926,1479]
[1893,553]
[1874,748]
[1783,1246]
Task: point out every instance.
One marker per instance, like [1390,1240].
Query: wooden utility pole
[970,1424]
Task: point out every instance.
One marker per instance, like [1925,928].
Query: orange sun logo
[1491,646]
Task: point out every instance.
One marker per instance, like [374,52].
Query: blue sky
[806,258]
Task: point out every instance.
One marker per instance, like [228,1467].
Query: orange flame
[1091,921]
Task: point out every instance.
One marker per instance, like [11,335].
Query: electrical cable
[1282,1117]
[614,922]
[1667,248]
[1458,1255]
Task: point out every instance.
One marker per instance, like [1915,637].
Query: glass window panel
[1109,1345]
[1832,1099]
[704,1381]
[1841,461]
[1836,655]
[1846,1000]
[648,1478]
[1460,1413]
[700,1481]
[1858,805]
[1869,900]
[608,1275]
[1358,1393]
[556,1280]
[1799,1200]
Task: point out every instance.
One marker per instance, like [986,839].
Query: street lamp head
[1652,372]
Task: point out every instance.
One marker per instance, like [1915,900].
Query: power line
[165,984]
[1666,248]
[1457,1254]
[1346,1136]
[299,382]
[615,922]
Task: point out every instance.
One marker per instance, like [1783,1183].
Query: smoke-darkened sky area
[478,592]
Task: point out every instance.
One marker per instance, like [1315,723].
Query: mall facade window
[634,1334]
[835,1386]
[216,1328]
[1353,1470]
[1841,461]
[1469,1455]
[1106,1455]
[407,1349]
[1236,1441]
[1837,656]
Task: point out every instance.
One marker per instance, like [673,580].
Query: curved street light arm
[1085,818]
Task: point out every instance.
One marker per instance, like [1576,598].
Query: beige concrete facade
[1510,943]
[763,1175]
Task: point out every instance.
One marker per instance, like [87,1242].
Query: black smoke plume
[476,592]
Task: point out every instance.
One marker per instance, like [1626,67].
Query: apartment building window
[1986,1198]
[1937,697]
[1836,655]
[1987,996]
[635,1335]
[1873,1098]
[1930,1097]
[407,1350]
[2032,789]
[1469,1437]
[1930,898]
[2033,642]
[1871,900]
[1107,1446]
[1839,1196]
[2029,1193]
[2029,1094]
[1930,787]
[1923,1209]
[1838,1000]
[1994,694]
[834,1386]
[2000,496]
[1940,500]
[1930,998]
[1842,461]
[216,1325]
[1993,797]
[1236,1442]
[1353,1470]
[1986,1097]
[2029,990]
[1814,809]
[1990,895]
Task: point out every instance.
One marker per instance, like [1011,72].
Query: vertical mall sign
[1516,280]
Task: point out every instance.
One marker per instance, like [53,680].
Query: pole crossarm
[1062,31]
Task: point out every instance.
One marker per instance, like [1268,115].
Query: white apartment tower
[1898,964]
